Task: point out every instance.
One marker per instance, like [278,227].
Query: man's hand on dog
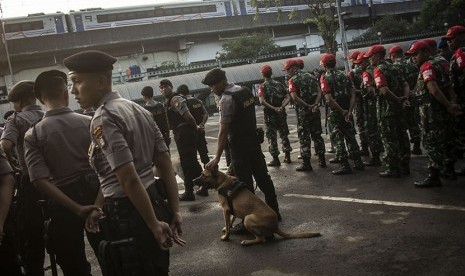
[212,164]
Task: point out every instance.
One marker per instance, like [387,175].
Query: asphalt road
[369,225]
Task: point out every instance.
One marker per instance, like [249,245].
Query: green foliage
[389,26]
[434,13]
[250,46]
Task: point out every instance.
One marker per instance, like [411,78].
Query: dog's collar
[231,192]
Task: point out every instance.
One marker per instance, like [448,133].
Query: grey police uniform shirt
[227,105]
[123,132]
[56,147]
[16,127]
[5,167]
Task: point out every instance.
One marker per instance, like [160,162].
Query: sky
[14,8]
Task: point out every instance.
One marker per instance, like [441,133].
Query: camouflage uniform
[411,114]
[308,123]
[339,86]
[457,66]
[274,93]
[391,122]
[371,120]
[437,123]
[355,75]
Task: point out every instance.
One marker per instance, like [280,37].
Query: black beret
[21,89]
[147,91]
[183,89]
[90,62]
[166,82]
[214,76]
[47,79]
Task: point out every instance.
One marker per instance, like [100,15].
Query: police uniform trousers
[9,250]
[202,147]
[248,161]
[143,256]
[66,230]
[30,223]
[186,142]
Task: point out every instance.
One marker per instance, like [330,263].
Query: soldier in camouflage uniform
[369,100]
[340,95]
[456,39]
[436,110]
[355,75]
[412,116]
[274,97]
[393,93]
[306,94]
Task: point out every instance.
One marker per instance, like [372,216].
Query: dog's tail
[297,235]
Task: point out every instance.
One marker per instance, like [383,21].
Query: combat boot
[287,158]
[343,169]
[305,166]
[275,162]
[416,150]
[364,151]
[390,173]
[187,196]
[335,160]
[322,160]
[374,161]
[432,180]
[448,172]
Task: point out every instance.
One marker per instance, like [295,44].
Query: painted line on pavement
[381,202]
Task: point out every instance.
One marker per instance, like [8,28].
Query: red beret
[431,42]
[395,49]
[289,63]
[360,58]
[300,63]
[454,31]
[375,49]
[354,55]
[327,58]
[266,68]
[417,46]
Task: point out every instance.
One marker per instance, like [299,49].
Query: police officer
[158,111]
[274,97]
[185,132]
[30,217]
[238,125]
[369,100]
[393,93]
[305,92]
[340,95]
[411,113]
[200,114]
[456,39]
[125,143]
[8,244]
[436,111]
[55,151]
[355,76]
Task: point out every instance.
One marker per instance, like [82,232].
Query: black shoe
[187,197]
[344,169]
[274,163]
[364,152]
[322,161]
[416,150]
[374,162]
[304,167]
[448,174]
[429,181]
[331,150]
[287,158]
[405,171]
[389,174]
[202,192]
[359,165]
[335,161]
[299,157]
[239,229]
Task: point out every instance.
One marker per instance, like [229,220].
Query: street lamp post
[343,36]
[305,47]
[379,37]
[218,58]
[446,25]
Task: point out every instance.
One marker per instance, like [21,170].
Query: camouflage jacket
[457,65]
[273,91]
[338,85]
[355,75]
[307,86]
[387,74]
[410,72]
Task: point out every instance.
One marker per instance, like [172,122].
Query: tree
[434,13]
[323,12]
[389,26]
[250,46]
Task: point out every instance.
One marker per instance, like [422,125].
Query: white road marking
[381,202]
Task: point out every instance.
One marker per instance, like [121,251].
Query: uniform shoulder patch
[97,134]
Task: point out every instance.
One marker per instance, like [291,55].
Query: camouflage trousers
[371,125]
[438,145]
[412,117]
[342,133]
[277,123]
[308,129]
[360,120]
[395,140]
[460,120]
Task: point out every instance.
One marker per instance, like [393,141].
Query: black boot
[275,162]
[448,172]
[322,160]
[432,180]
[187,196]
[390,173]
[374,161]
[335,160]
[287,158]
[364,151]
[343,169]
[305,166]
[416,150]
[359,164]
[202,191]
